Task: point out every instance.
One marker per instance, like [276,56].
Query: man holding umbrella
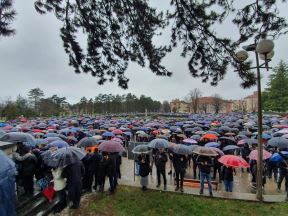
[160,162]
[205,164]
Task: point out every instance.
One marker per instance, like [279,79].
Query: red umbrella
[210,136]
[37,131]
[233,161]
[117,132]
[111,146]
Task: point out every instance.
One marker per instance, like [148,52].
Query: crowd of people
[35,153]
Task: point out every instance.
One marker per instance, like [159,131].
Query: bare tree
[193,99]
[203,107]
[217,103]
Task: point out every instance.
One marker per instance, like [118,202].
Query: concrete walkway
[270,194]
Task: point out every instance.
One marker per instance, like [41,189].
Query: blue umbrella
[159,143]
[108,134]
[51,135]
[127,133]
[212,144]
[276,157]
[58,144]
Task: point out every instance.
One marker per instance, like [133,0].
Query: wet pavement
[241,190]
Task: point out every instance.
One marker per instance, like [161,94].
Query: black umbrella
[88,142]
[64,156]
[279,142]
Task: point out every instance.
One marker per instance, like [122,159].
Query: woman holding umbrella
[231,162]
[144,163]
[144,170]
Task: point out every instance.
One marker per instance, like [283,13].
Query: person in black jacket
[96,160]
[283,174]
[144,170]
[88,176]
[245,151]
[180,165]
[227,176]
[28,168]
[73,173]
[110,170]
[205,164]
[217,168]
[160,162]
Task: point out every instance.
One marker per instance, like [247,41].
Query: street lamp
[264,49]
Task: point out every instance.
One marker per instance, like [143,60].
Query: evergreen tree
[276,95]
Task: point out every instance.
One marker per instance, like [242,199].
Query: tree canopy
[123,31]
[275,96]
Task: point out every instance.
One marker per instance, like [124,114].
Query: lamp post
[265,49]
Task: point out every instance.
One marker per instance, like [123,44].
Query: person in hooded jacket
[73,173]
[28,168]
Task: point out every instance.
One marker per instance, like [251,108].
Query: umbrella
[165,131]
[279,142]
[140,132]
[248,141]
[87,142]
[117,132]
[141,149]
[2,133]
[64,156]
[98,137]
[228,140]
[212,144]
[230,147]
[41,142]
[127,133]
[189,141]
[51,139]
[159,143]
[233,161]
[58,144]
[206,151]
[7,166]
[108,134]
[254,155]
[111,146]
[51,135]
[195,137]
[192,147]
[18,137]
[182,149]
[210,136]
[217,150]
[276,157]
[118,139]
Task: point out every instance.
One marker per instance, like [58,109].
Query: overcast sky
[35,57]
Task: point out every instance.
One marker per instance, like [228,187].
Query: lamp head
[264,46]
[241,56]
